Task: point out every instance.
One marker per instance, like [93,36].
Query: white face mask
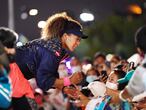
[91,78]
[75,69]
[63,73]
[111,85]
[97,88]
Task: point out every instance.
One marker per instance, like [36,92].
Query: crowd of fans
[108,82]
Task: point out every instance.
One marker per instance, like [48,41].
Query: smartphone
[103,73]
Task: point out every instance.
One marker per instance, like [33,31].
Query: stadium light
[33,12]
[86,17]
[41,24]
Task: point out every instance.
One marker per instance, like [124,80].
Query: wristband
[66,81]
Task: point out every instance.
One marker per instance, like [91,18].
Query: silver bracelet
[121,97]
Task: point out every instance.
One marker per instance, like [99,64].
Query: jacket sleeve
[137,82]
[47,71]
[5,91]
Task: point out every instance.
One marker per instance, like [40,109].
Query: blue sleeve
[5,92]
[47,71]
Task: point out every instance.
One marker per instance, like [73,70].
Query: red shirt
[20,85]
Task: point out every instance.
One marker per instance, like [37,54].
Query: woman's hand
[76,78]
[74,93]
[71,91]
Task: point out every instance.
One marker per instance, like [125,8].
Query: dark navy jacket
[40,59]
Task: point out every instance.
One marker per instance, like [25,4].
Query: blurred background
[110,24]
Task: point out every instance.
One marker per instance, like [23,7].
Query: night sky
[28,27]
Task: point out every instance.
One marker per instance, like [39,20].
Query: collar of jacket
[53,45]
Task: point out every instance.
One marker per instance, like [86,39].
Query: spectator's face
[112,81]
[91,75]
[99,60]
[62,67]
[74,62]
[114,62]
[113,77]
[91,72]
[62,70]
[99,68]
[71,41]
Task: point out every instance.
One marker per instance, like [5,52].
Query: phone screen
[104,73]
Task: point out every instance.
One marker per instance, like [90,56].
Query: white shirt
[137,83]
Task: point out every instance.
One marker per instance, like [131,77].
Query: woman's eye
[78,39]
[112,79]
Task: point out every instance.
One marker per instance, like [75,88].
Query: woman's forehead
[112,74]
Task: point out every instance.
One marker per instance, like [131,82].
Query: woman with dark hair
[18,88]
[109,90]
[5,85]
[112,81]
[40,58]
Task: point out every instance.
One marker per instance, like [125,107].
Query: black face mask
[11,58]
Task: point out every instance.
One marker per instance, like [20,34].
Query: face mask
[11,58]
[111,85]
[97,88]
[91,78]
[63,73]
[76,69]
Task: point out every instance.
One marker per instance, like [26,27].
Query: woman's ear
[64,39]
[64,36]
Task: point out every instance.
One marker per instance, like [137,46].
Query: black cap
[78,32]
